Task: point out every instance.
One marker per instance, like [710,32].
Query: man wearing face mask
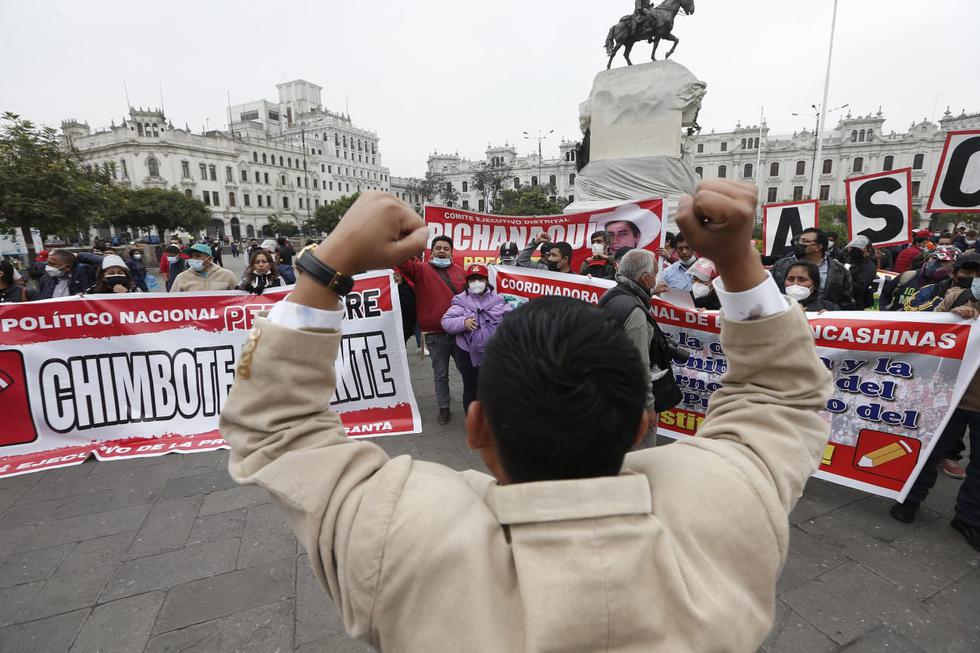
[202,272]
[543,240]
[472,318]
[559,258]
[936,269]
[833,251]
[600,264]
[676,275]
[436,282]
[863,270]
[172,264]
[904,259]
[137,269]
[835,280]
[966,240]
[508,253]
[68,274]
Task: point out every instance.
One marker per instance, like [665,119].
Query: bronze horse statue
[646,23]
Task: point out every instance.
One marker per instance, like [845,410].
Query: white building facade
[283,159]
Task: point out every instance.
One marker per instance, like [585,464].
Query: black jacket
[13,293]
[406,297]
[837,288]
[863,277]
[600,269]
[620,302]
[82,277]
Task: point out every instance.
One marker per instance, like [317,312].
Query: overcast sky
[453,76]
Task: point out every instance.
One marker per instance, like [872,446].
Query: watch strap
[325,275]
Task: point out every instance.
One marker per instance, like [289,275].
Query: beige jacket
[678,553]
[216,278]
[971,397]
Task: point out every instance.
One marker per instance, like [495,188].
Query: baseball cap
[268,244]
[509,249]
[477,269]
[946,253]
[971,260]
[112,261]
[924,233]
[859,242]
[198,247]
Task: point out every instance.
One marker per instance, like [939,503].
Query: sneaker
[443,416]
[904,512]
[971,533]
[952,469]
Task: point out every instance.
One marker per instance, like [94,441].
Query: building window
[316,203]
[204,171]
[918,161]
[747,171]
[125,171]
[700,148]
[246,199]
[466,187]
[724,146]
[828,165]
[255,157]
[517,183]
[854,136]
[185,169]
[213,172]
[553,181]
[771,194]
[249,115]
[153,166]
[534,180]
[300,202]
[229,175]
[743,143]
[264,159]
[915,189]
[330,184]
[889,163]
[265,176]
[797,193]
[466,204]
[250,231]
[571,179]
[207,198]
[861,136]
[258,178]
[699,171]
[825,193]
[231,199]
[316,184]
[481,205]
[756,145]
[268,201]
[259,198]
[188,193]
[244,175]
[214,198]
[858,164]
[298,181]
[722,172]
[285,202]
[800,168]
[280,160]
[774,169]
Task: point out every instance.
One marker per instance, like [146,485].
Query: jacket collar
[587,498]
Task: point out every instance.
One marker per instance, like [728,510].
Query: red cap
[923,233]
[477,268]
[42,256]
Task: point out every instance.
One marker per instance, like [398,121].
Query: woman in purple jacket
[473,316]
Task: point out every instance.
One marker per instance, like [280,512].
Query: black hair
[565,250]
[822,239]
[670,239]
[812,271]
[605,236]
[445,239]
[63,255]
[563,391]
[309,241]
[679,238]
[172,249]
[281,241]
[919,239]
[8,270]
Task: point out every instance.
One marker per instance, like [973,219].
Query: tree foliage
[44,185]
[488,181]
[527,200]
[328,216]
[948,221]
[428,188]
[160,209]
[279,226]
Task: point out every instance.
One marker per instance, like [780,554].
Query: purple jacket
[487,309]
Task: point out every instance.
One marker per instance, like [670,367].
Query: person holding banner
[676,275]
[436,282]
[571,539]
[600,265]
[473,317]
[113,277]
[261,273]
[863,271]
[10,291]
[835,280]
[803,284]
[67,273]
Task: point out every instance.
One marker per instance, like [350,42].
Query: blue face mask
[975,287]
[195,264]
[441,262]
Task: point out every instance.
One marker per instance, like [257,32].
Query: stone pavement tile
[820,497]
[267,537]
[35,513]
[936,544]
[135,487]
[212,481]
[8,495]
[106,466]
[121,626]
[259,630]
[961,601]
[14,601]
[339,643]
[81,577]
[217,527]
[399,445]
[167,527]
[791,633]
[50,635]
[884,640]
[316,615]
[77,529]
[60,482]
[240,496]
[12,536]
[829,611]
[170,569]
[868,516]
[808,558]
[194,464]
[20,481]
[219,596]
[199,638]
[30,566]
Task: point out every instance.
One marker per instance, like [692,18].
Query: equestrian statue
[646,22]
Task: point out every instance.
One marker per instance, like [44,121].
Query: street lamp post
[539,138]
[826,90]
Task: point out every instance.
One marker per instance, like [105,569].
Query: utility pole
[823,106]
[539,137]
[820,114]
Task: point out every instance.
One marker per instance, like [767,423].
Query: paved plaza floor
[168,554]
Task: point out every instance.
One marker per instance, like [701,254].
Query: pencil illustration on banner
[885,454]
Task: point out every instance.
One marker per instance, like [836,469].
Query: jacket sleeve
[524,258]
[947,301]
[638,331]
[338,494]
[410,268]
[496,311]
[452,321]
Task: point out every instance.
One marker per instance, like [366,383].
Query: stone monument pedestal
[634,118]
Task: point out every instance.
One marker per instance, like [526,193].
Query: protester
[966,240]
[863,271]
[134,262]
[261,274]
[702,289]
[675,275]
[543,240]
[216,252]
[10,291]
[910,253]
[508,253]
[234,249]
[285,251]
[176,262]
[202,272]
[473,317]
[68,274]
[558,549]
[436,282]
[835,280]
[929,297]
[668,253]
[882,258]
[936,267]
[559,258]
[600,264]
[963,301]
[833,251]
[945,238]
[406,298]
[113,277]
[803,284]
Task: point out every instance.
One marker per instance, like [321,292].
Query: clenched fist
[717,222]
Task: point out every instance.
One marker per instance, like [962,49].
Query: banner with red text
[477,237]
[125,376]
[898,376]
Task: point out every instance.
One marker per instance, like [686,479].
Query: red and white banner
[957,185]
[477,237]
[782,223]
[879,206]
[898,376]
[126,376]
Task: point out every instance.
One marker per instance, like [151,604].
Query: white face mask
[700,290]
[689,260]
[195,264]
[598,249]
[171,259]
[477,287]
[52,271]
[137,256]
[799,293]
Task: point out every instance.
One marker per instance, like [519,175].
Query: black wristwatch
[325,275]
